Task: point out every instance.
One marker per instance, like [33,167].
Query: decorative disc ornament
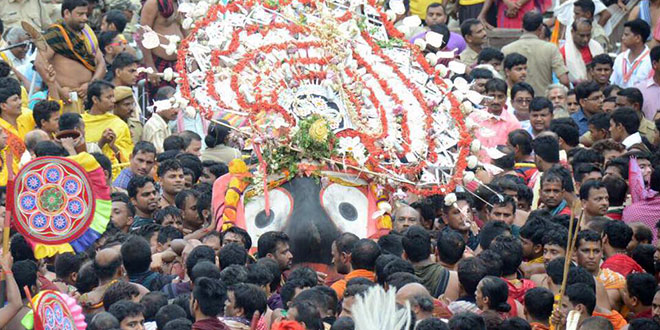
[56,201]
[278,64]
[54,311]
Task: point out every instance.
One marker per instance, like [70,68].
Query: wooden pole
[570,244]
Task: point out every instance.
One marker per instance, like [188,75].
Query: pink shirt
[651,91]
[495,131]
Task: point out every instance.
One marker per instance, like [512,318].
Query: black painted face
[312,217]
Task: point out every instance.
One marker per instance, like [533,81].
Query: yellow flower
[237,166]
[319,131]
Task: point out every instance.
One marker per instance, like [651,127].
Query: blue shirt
[581,120]
[123,178]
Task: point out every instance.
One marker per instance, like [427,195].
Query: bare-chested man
[74,53]
[161,16]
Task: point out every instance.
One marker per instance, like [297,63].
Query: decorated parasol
[61,204]
[52,310]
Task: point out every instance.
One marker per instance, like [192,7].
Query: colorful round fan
[61,204]
[54,311]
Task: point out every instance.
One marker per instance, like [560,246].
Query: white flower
[468,177]
[169,48]
[431,58]
[353,146]
[475,146]
[450,199]
[279,122]
[187,23]
[173,38]
[434,39]
[466,108]
[472,162]
[412,21]
[162,105]
[421,43]
[201,9]
[168,74]
[150,39]
[398,7]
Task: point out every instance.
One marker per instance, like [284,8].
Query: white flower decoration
[450,199]
[472,162]
[468,177]
[475,146]
[353,146]
[150,39]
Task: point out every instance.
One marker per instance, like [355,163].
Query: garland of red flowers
[261,104]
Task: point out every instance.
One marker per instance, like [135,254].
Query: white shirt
[632,140]
[156,131]
[641,72]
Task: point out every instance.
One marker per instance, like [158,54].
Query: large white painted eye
[256,221]
[348,207]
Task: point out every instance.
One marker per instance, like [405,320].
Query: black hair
[627,117]
[136,183]
[308,313]
[522,139]
[470,272]
[643,233]
[66,264]
[232,254]
[125,308]
[210,295]
[417,243]
[217,134]
[618,233]
[331,299]
[20,249]
[481,73]
[105,39]
[168,165]
[521,86]
[634,95]
[107,271]
[514,59]
[289,288]
[587,6]
[568,133]
[249,297]
[121,61]
[25,274]
[398,266]
[160,215]
[43,110]
[86,280]
[399,280]
[510,250]
[147,231]
[466,26]
[584,89]
[203,204]
[539,103]
[102,320]
[546,147]
[515,323]
[602,59]
[152,302]
[532,21]
[639,27]
[268,242]
[488,54]
[142,146]
[136,255]
[5,69]
[49,148]
[173,142]
[216,168]
[641,286]
[610,89]
[70,5]
[168,233]
[117,291]
[600,121]
[8,88]
[164,93]
[450,245]
[259,274]
[204,269]
[643,324]
[382,262]
[183,301]
[168,313]
[490,231]
[558,236]
[69,120]
[364,254]
[497,291]
[116,17]
[104,161]
[643,255]
[539,303]
[534,230]
[580,293]
[617,189]
[199,253]
[502,202]
[96,89]
[430,324]
[233,274]
[239,231]
[588,236]
[467,321]
[391,244]
[581,170]
[178,324]
[192,162]
[496,85]
[655,54]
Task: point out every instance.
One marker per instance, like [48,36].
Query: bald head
[404,217]
[410,291]
[596,323]
[107,264]
[33,137]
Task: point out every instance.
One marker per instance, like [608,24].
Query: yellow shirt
[469,2]
[25,123]
[94,127]
[418,7]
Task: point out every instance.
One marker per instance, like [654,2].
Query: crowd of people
[573,138]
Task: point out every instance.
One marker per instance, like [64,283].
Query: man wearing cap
[125,108]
